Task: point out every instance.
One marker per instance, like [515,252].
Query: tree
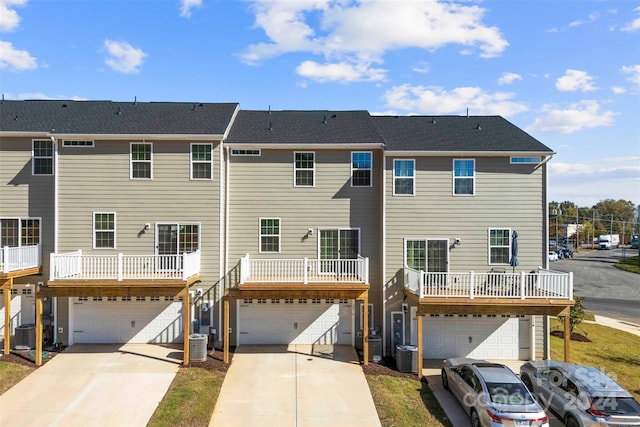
[576,315]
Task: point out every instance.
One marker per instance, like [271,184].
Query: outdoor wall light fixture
[147,226]
[458,241]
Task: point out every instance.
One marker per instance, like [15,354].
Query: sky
[565,71]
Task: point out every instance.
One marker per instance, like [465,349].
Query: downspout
[384,252]
[221,235]
[226,225]
[55,233]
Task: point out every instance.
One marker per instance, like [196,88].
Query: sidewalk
[632,328]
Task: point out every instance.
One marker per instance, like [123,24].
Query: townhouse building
[146,222]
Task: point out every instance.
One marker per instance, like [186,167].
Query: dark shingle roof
[304,127]
[455,134]
[112,118]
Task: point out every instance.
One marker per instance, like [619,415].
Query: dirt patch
[574,336]
[27,357]
[215,361]
[387,366]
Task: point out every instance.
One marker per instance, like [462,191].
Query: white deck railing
[19,258]
[77,266]
[543,284]
[304,270]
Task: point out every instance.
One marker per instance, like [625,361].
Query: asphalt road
[607,291]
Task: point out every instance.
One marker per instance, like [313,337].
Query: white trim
[338,229]
[56,201]
[177,224]
[489,246]
[150,161]
[426,241]
[131,136]
[383,172]
[454,178]
[260,235]
[295,169]
[104,230]
[372,318]
[192,162]
[414,153]
[393,174]
[370,169]
[311,146]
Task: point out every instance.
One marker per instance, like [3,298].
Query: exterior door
[336,245]
[173,240]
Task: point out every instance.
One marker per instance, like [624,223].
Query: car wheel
[571,422]
[445,380]
[527,382]
[475,419]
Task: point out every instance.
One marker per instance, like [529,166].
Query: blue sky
[567,72]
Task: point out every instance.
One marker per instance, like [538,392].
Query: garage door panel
[482,337]
[127,321]
[294,322]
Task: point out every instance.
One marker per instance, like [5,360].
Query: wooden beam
[6,289]
[420,344]
[298,292]
[513,308]
[38,329]
[365,327]
[186,319]
[112,291]
[226,329]
[21,273]
[567,338]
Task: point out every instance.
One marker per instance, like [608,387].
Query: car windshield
[509,393]
[617,406]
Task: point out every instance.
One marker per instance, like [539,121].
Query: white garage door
[116,320]
[293,321]
[480,337]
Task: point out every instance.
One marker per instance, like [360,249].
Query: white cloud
[618,90]
[600,179]
[582,115]
[578,22]
[341,72]
[634,25]
[508,78]
[421,67]
[363,31]
[187,5]
[123,57]
[15,59]
[10,20]
[40,95]
[575,80]
[436,100]
[633,73]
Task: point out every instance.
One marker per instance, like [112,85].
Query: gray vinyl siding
[506,196]
[24,195]
[262,187]
[97,180]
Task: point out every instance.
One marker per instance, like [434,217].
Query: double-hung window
[16,232]
[141,160]
[304,169]
[201,161]
[361,169]
[269,235]
[464,176]
[404,177]
[499,245]
[104,230]
[42,163]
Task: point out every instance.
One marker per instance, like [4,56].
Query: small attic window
[524,160]
[77,143]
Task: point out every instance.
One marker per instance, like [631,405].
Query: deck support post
[365,327]
[567,338]
[186,318]
[225,327]
[38,328]
[420,343]
[6,288]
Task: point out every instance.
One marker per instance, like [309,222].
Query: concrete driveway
[93,385]
[296,385]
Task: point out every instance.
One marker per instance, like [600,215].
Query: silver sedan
[491,394]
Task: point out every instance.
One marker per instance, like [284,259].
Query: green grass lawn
[405,402]
[631,264]
[11,374]
[617,353]
[190,399]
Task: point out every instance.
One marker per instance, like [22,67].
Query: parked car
[566,253]
[553,256]
[581,396]
[491,394]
